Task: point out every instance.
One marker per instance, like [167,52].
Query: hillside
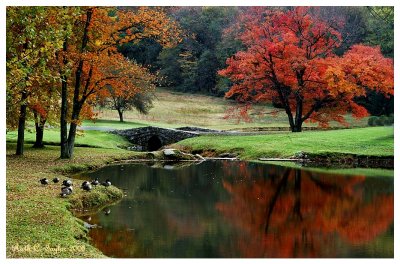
[173,109]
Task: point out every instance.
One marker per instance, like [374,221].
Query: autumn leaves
[67,60]
[290,57]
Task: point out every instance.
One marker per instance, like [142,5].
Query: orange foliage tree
[294,213]
[290,59]
[138,93]
[91,61]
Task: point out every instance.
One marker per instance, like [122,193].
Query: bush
[372,121]
[381,120]
[390,120]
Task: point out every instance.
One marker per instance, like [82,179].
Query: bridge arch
[154,143]
[153,138]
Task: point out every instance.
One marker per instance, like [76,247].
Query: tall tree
[290,58]
[96,62]
[33,36]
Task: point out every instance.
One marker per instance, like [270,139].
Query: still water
[239,209]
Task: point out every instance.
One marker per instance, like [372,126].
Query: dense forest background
[210,38]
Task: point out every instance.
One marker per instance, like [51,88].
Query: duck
[106,183]
[66,191]
[95,182]
[67,183]
[56,180]
[44,181]
[86,186]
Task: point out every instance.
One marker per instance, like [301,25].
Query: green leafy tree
[34,34]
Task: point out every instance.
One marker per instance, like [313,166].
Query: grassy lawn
[376,141]
[174,109]
[88,138]
[37,216]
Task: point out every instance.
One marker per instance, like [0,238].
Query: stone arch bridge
[153,138]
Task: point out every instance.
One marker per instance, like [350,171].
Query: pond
[243,210]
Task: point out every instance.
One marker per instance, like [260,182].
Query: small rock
[89,226]
[169,152]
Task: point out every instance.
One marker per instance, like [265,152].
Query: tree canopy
[290,57]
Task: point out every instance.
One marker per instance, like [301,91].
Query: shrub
[372,121]
[381,121]
[389,120]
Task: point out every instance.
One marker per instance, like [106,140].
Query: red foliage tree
[290,58]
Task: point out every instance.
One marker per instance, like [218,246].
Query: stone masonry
[153,138]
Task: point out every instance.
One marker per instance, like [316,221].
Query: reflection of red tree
[297,214]
[117,243]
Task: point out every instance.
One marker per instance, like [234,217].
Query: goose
[44,181]
[56,180]
[95,182]
[106,183]
[67,183]
[66,191]
[86,186]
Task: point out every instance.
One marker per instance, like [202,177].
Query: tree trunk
[71,139]
[296,128]
[120,113]
[299,114]
[78,103]
[64,109]
[72,128]
[39,127]
[21,125]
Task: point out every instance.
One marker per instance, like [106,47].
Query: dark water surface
[238,209]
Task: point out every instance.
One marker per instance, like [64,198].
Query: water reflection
[238,209]
[294,213]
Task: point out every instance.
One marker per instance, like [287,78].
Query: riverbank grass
[40,222]
[88,138]
[371,141]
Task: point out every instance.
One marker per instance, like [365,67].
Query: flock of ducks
[66,186]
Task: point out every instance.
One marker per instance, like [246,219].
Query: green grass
[374,141]
[88,138]
[37,216]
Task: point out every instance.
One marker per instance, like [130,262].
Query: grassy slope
[173,109]
[36,215]
[378,141]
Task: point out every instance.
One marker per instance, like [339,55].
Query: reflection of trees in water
[172,213]
[293,213]
[239,210]
[119,243]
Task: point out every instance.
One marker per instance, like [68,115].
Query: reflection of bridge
[152,138]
